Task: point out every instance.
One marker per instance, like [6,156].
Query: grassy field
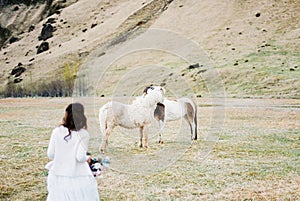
[257,156]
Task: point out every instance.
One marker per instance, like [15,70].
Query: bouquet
[97,165]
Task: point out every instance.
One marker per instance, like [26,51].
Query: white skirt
[61,188]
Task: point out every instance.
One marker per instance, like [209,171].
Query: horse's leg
[192,121]
[141,136]
[159,115]
[190,124]
[189,116]
[104,143]
[146,137]
[160,127]
[161,131]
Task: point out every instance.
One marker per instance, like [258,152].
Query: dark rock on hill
[46,32]
[18,70]
[44,46]
[4,35]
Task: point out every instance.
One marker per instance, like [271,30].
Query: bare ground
[255,158]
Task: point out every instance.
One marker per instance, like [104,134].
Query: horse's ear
[146,89]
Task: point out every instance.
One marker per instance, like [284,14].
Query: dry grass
[256,157]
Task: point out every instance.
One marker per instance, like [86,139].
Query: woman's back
[68,154]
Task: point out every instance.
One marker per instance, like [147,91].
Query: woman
[69,177]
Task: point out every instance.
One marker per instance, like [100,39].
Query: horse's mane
[148,99]
[161,105]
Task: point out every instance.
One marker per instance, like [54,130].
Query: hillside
[253,46]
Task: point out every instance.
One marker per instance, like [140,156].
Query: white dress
[69,177]
[62,188]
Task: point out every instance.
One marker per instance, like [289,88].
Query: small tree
[69,75]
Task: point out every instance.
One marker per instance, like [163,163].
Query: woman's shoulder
[83,131]
[60,129]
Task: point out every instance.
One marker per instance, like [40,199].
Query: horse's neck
[170,102]
[148,102]
[138,101]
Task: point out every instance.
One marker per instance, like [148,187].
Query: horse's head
[157,92]
[154,88]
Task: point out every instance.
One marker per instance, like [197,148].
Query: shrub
[60,85]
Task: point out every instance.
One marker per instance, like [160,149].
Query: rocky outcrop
[4,35]
[19,16]
[17,2]
[46,32]
[18,70]
[44,46]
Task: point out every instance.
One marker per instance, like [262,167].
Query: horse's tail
[191,112]
[102,118]
[195,119]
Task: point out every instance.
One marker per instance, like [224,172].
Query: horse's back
[186,100]
[114,107]
[174,110]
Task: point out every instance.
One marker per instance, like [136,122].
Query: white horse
[173,110]
[139,114]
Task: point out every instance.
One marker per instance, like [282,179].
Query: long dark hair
[74,118]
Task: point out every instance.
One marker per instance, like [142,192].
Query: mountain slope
[253,45]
